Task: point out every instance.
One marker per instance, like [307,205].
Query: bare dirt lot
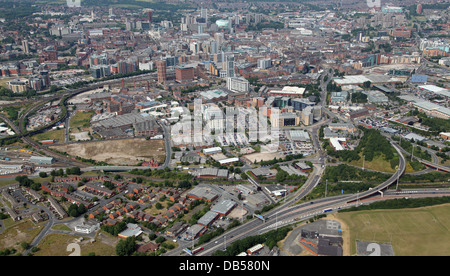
[263,156]
[117,152]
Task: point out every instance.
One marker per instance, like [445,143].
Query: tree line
[371,145]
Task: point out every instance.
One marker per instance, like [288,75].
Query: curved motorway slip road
[286,213]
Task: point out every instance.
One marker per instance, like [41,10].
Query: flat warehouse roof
[223,207]
[215,149]
[436,89]
[229,160]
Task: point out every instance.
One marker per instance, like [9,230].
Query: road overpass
[434,166]
[288,213]
[393,179]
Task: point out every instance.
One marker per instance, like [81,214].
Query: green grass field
[81,119]
[377,164]
[56,245]
[58,135]
[412,232]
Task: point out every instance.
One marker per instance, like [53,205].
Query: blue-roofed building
[419,78]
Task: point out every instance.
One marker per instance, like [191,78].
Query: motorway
[289,211]
[292,213]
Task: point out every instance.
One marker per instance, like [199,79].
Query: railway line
[292,214]
[25,135]
[289,212]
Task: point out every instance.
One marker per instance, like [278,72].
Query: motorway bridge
[434,166]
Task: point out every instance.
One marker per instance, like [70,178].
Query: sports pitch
[411,232]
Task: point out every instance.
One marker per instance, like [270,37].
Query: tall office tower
[258,18]
[236,20]
[214,47]
[229,66]
[200,28]
[230,23]
[161,71]
[204,14]
[219,37]
[188,20]
[45,77]
[25,47]
[194,47]
[248,18]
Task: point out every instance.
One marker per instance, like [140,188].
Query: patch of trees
[426,177]
[126,247]
[345,172]
[436,124]
[417,151]
[371,145]
[59,172]
[184,184]
[416,165]
[12,10]
[114,229]
[283,176]
[76,210]
[265,25]
[211,235]
[443,156]
[24,181]
[359,97]
[343,155]
[194,88]
[7,251]
[162,174]
[386,46]
[109,185]
[86,160]
[332,87]
[8,93]
[8,141]
[73,171]
[267,208]
[12,112]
